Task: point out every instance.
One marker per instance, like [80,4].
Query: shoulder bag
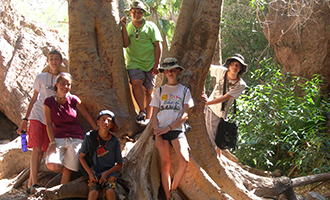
[227,134]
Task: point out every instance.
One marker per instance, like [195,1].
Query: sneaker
[140,117]
[145,122]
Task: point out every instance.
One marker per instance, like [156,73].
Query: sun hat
[169,63]
[240,59]
[140,5]
[112,115]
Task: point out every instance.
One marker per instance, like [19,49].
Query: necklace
[232,84]
[102,146]
[58,100]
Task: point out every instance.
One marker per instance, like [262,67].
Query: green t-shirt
[140,53]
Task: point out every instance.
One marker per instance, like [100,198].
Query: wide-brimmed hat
[240,59]
[112,115]
[139,5]
[169,63]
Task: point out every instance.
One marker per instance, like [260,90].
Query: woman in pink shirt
[64,132]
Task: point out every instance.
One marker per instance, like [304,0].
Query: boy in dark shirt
[106,156]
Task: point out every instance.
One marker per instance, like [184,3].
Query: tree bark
[97,63]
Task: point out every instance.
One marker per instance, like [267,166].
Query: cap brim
[114,128]
[146,13]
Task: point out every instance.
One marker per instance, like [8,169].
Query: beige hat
[139,5]
[169,63]
[240,59]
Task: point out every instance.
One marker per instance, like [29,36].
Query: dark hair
[55,52]
[60,77]
[243,67]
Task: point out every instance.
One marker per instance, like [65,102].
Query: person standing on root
[234,67]
[64,132]
[142,41]
[38,139]
[106,155]
[171,104]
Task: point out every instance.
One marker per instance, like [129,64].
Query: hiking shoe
[33,188]
[175,195]
[145,122]
[141,117]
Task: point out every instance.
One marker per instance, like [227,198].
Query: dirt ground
[321,188]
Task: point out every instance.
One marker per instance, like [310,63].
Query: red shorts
[38,136]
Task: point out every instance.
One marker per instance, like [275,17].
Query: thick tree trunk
[97,63]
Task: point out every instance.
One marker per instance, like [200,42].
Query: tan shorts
[67,153]
[211,122]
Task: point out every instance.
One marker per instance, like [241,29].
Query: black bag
[227,134]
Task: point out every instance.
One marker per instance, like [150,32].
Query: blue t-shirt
[105,157]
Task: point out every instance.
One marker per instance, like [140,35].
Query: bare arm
[221,99]
[23,125]
[124,32]
[86,167]
[86,115]
[50,130]
[158,53]
[108,172]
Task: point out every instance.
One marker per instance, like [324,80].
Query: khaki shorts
[67,153]
[38,136]
[211,122]
[147,77]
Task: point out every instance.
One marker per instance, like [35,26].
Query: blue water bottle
[23,141]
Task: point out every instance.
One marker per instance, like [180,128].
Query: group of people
[54,128]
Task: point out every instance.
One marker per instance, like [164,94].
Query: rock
[23,48]
[299,33]
[314,196]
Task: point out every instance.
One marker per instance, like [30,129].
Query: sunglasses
[137,34]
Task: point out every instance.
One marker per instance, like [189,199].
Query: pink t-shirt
[64,117]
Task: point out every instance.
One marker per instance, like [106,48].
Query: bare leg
[181,148]
[148,98]
[66,175]
[55,167]
[110,194]
[92,195]
[218,151]
[138,93]
[35,160]
[165,168]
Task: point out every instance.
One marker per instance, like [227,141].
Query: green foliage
[48,13]
[282,123]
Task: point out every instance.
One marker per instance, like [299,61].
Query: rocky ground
[7,192]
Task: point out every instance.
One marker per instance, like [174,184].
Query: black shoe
[141,117]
